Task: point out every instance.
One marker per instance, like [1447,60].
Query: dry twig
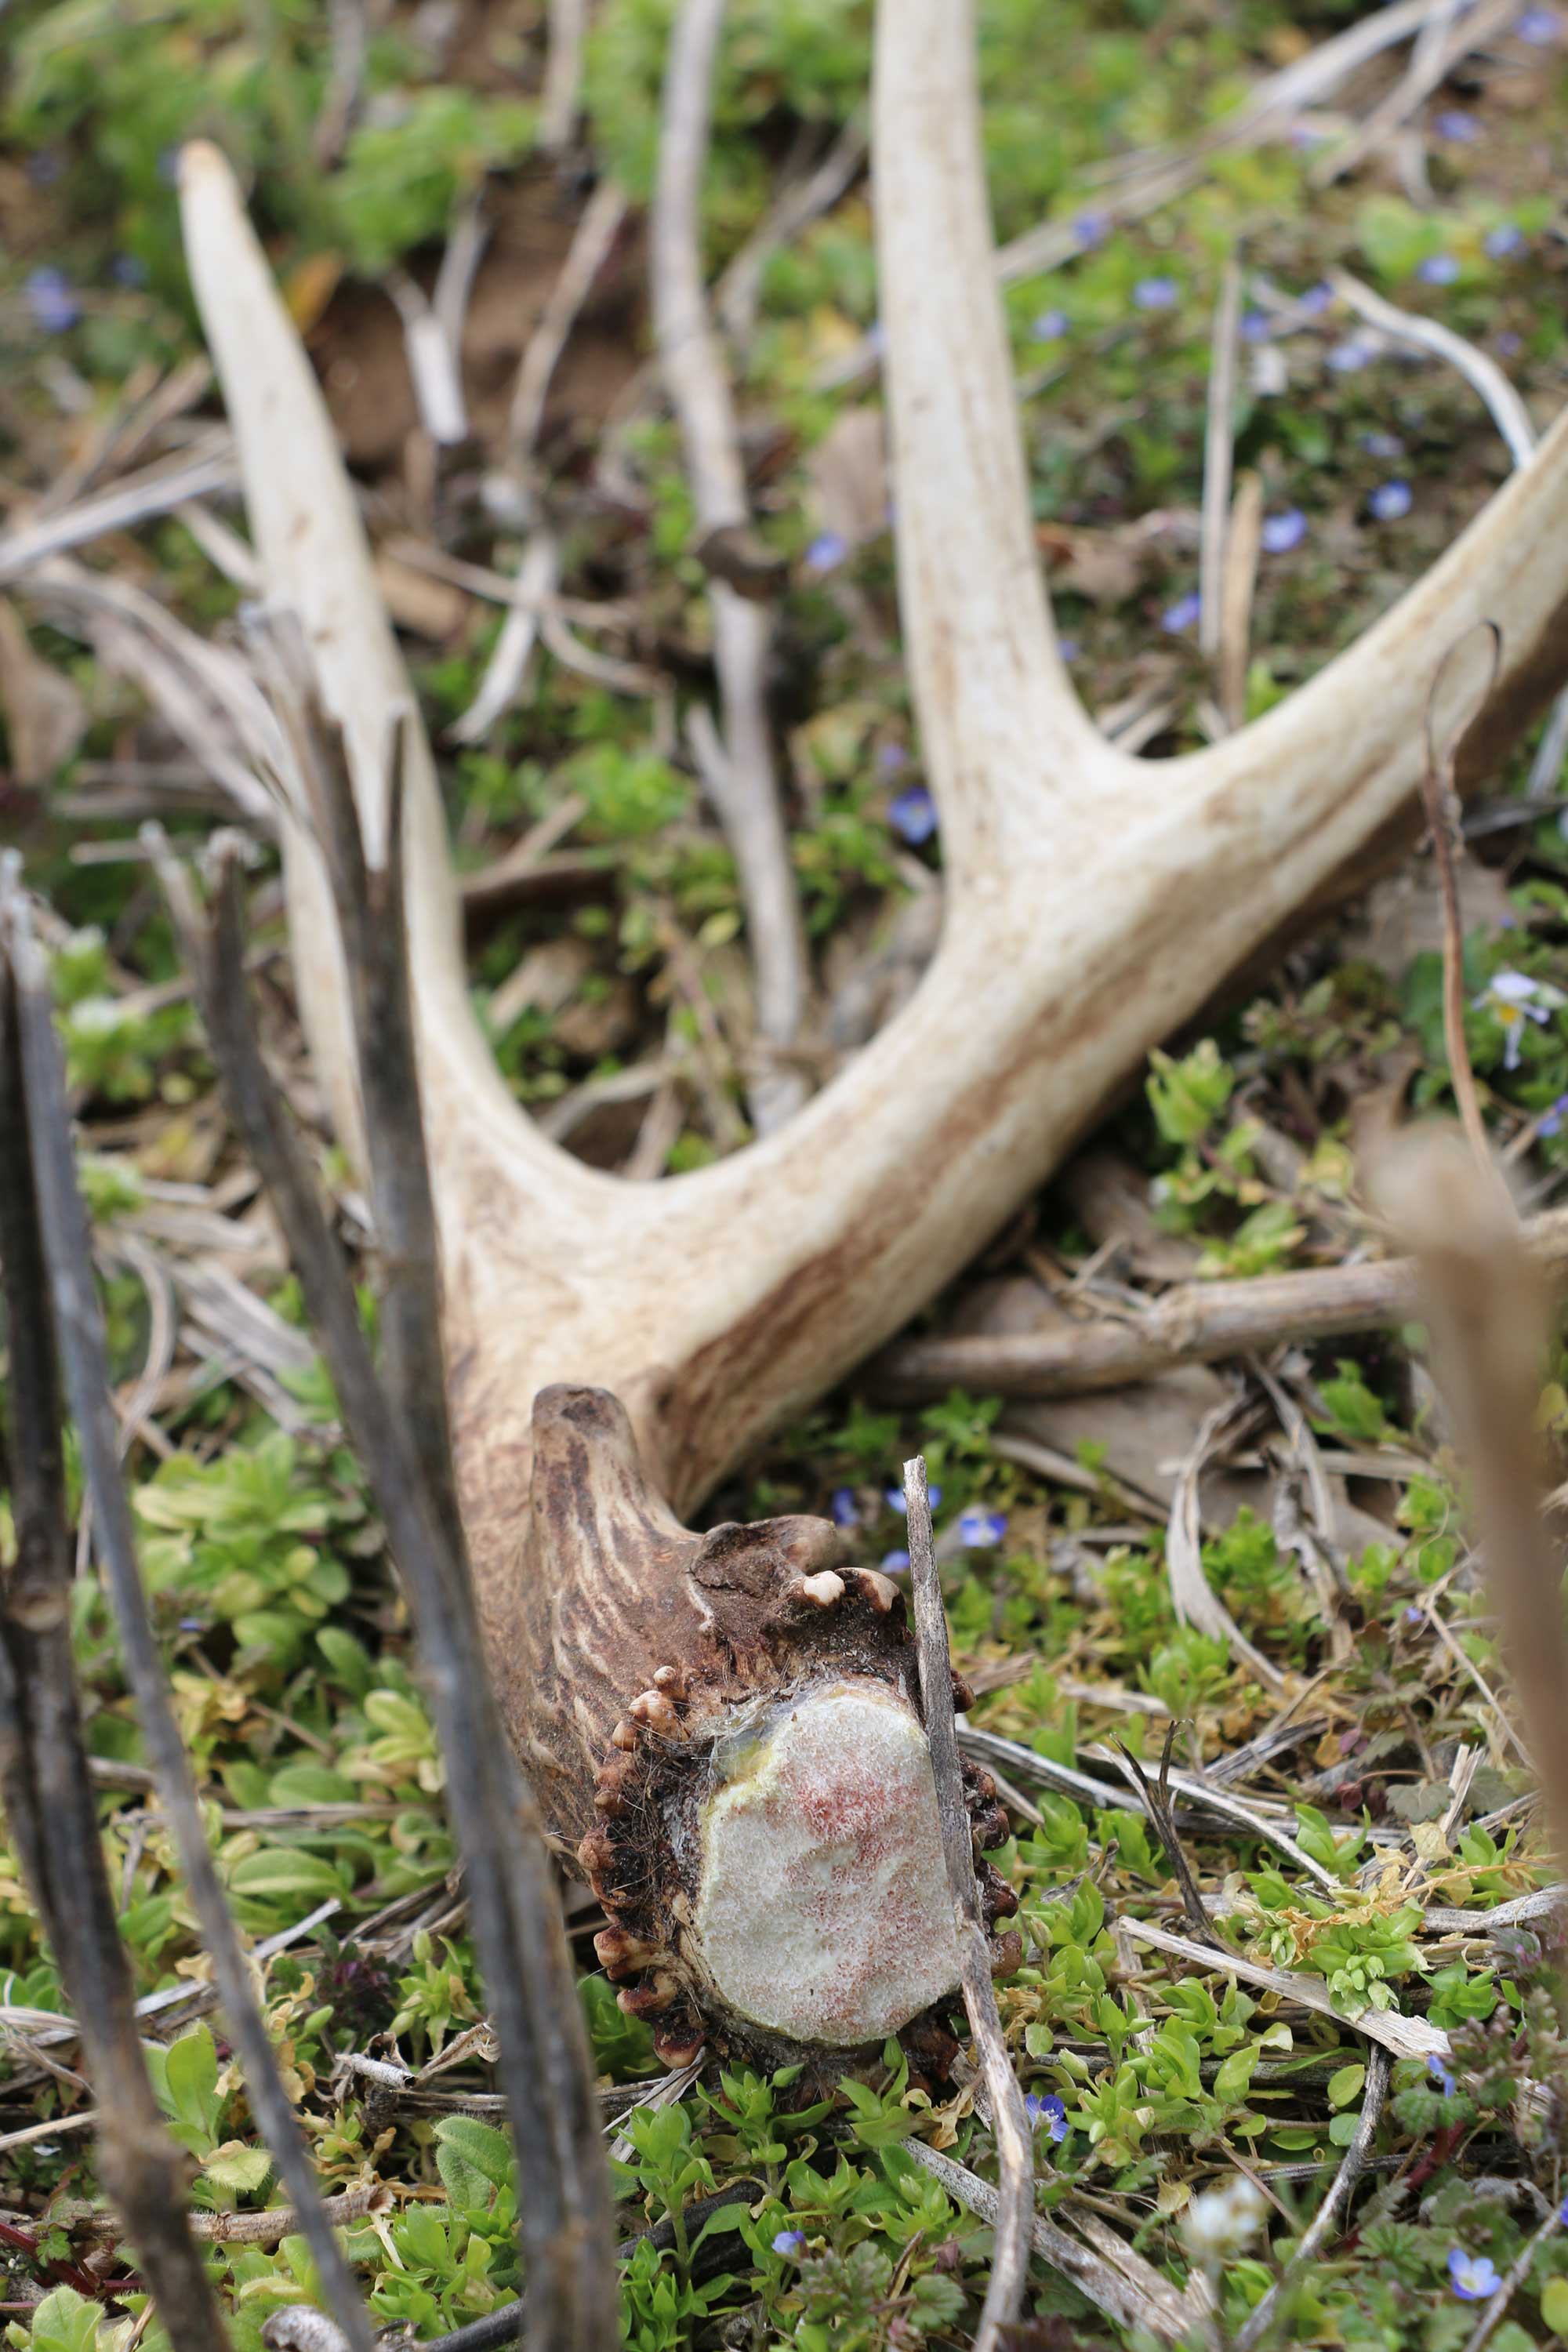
[1198,1323]
[1261,2318]
[64,1258]
[744,784]
[400,1434]
[1219,444]
[1485,1312]
[1010,2124]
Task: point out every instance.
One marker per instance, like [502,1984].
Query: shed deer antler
[725,1727]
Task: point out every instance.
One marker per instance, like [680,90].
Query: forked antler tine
[1010,752]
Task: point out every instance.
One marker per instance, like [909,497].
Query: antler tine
[316,563]
[1011,754]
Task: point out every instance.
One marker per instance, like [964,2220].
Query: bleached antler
[1093,902]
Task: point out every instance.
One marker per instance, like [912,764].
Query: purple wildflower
[980,1529]
[1156,294]
[1345,358]
[1507,345]
[1539,26]
[912,814]
[1281,532]
[1472,2276]
[1183,614]
[1317,298]
[1090,228]
[843,1508]
[127,270]
[1437,269]
[890,758]
[1551,1119]
[895,1563]
[1461,129]
[1256,326]
[51,301]
[1440,2074]
[1068,648]
[827,551]
[1389,501]
[1382,445]
[1046,2112]
[898,1501]
[1506,239]
[790,2241]
[1049,327]
[44,168]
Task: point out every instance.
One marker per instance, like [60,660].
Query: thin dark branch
[1015,2147]
[79,1326]
[50,1801]
[563,2188]
[1157,1803]
[1337,2202]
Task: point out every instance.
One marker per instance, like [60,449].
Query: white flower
[1513,998]
[1221,2222]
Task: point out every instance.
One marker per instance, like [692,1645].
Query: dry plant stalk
[961,1838]
[615,1348]
[1487,1316]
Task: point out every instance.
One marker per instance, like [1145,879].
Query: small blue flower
[790,2241]
[1473,2275]
[1437,269]
[1382,445]
[898,1501]
[913,815]
[1415,1614]
[895,1563]
[1551,1120]
[1256,326]
[1156,294]
[1049,327]
[980,1531]
[1539,26]
[1183,614]
[49,297]
[44,168]
[827,551]
[1461,129]
[1389,501]
[1068,648]
[1046,2112]
[1317,298]
[1436,2068]
[843,1508]
[1506,239]
[127,270]
[1090,228]
[1281,532]
[1507,345]
[1562,2213]
[1348,357]
[890,758]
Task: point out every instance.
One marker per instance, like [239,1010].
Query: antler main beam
[1093,903]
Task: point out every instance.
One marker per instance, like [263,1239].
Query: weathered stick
[49,1797]
[1198,1323]
[1483,1303]
[745,785]
[1261,2318]
[562,2190]
[1010,2124]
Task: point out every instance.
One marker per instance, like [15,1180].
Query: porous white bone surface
[823,1909]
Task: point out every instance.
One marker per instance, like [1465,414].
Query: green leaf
[243,2170]
[1553,2307]
[1345,2085]
[477,2147]
[66,2322]
[285,1870]
[190,2084]
[1234,2076]
[728,2217]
